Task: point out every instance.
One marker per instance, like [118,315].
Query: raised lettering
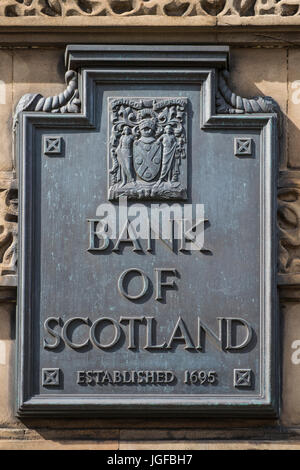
[52,333]
[116,328]
[159,273]
[65,332]
[182,336]
[145,284]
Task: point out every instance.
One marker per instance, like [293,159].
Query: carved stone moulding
[8,233]
[66,102]
[168,8]
[64,15]
[289,234]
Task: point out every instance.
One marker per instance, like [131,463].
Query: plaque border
[264,404]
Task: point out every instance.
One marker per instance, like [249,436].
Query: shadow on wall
[150,429]
[39,66]
[264,72]
[7,321]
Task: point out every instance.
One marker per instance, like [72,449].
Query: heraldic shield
[147,156]
[147,148]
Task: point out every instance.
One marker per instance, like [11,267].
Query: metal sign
[147,246]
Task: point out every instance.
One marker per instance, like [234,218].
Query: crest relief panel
[147,148]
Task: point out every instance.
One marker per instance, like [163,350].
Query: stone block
[38,71]
[262,72]
[57,445]
[6,74]
[293,121]
[291,365]
[6,380]
[198,445]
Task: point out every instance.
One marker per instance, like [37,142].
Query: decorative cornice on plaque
[177,8]
[66,102]
[228,102]
[289,228]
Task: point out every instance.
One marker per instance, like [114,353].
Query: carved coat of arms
[147,148]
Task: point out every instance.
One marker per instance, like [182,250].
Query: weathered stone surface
[148,445]
[6,377]
[7,335]
[226,433]
[260,72]
[170,8]
[141,13]
[264,72]
[291,364]
[293,121]
[39,71]
[89,434]
[11,433]
[7,331]
[194,445]
[57,445]
[6,73]
[160,31]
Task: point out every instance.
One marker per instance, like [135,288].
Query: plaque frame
[186,64]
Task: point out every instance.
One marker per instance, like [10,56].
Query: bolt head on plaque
[242,377]
[51,377]
[243,146]
[52,145]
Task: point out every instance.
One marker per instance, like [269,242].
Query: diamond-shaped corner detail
[50,377]
[242,146]
[242,377]
[52,145]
